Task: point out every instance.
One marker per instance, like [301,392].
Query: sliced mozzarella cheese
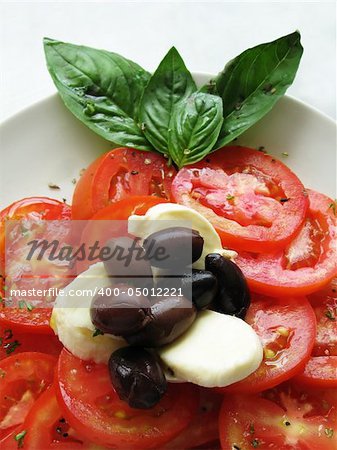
[217,350]
[158,217]
[71,321]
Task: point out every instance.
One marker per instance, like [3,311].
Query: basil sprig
[102,89]
[253,82]
[127,106]
[194,128]
[170,84]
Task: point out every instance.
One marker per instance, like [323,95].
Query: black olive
[200,286]
[233,295]
[203,285]
[137,377]
[169,318]
[120,314]
[127,259]
[174,247]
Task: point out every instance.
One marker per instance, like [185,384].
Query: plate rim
[291,98]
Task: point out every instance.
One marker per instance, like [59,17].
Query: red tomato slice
[30,212]
[32,207]
[93,408]
[12,343]
[287,420]
[118,174]
[9,442]
[46,428]
[25,321]
[324,303]
[287,332]
[254,201]
[123,209]
[47,208]
[23,378]
[320,371]
[306,265]
[204,428]
[119,211]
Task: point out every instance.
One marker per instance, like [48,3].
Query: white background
[206,33]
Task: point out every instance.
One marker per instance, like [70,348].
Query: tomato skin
[92,407]
[8,441]
[239,414]
[19,320]
[324,303]
[12,343]
[49,208]
[23,378]
[252,237]
[123,209]
[204,429]
[118,211]
[120,173]
[34,208]
[52,209]
[47,429]
[267,273]
[286,329]
[286,419]
[320,371]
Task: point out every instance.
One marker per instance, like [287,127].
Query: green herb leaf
[170,83]
[29,306]
[23,304]
[333,207]
[194,128]
[255,443]
[328,432]
[102,89]
[20,437]
[254,81]
[10,347]
[97,332]
[330,315]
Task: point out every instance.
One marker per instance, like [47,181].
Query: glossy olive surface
[203,285]
[233,294]
[200,286]
[120,314]
[127,259]
[169,318]
[137,377]
[173,247]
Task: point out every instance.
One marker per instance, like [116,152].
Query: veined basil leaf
[102,89]
[170,83]
[194,128]
[254,81]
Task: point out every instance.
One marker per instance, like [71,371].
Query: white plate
[45,144]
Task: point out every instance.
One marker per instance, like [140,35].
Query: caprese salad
[239,351]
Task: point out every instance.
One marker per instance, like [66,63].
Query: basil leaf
[170,83]
[254,81]
[194,128]
[102,89]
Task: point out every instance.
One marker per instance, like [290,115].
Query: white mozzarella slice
[157,218]
[216,351]
[71,317]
